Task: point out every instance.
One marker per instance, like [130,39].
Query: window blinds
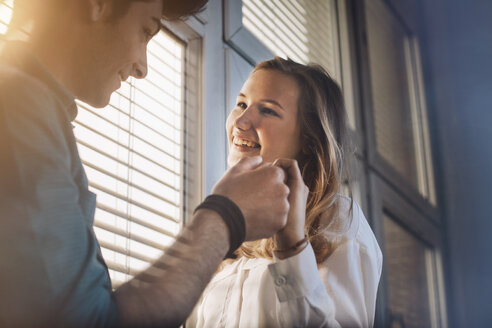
[132,151]
[303,30]
[400,115]
[392,112]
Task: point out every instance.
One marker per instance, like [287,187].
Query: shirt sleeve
[51,269]
[341,292]
[303,301]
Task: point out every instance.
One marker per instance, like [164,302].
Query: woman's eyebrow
[274,102]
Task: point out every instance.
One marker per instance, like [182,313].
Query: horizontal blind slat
[131,167]
[124,233]
[135,219]
[131,201]
[125,251]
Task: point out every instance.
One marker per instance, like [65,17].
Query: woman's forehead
[271,83]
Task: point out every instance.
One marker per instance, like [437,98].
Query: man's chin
[97,101]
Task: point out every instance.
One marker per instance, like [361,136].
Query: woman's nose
[245,120]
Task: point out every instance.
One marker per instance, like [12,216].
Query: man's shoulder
[23,94]
[14,81]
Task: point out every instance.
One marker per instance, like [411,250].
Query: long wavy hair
[322,118]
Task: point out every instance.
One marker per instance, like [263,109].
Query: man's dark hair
[171,9]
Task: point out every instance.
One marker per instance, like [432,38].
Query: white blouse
[294,292]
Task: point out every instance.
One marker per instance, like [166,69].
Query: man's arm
[167,292]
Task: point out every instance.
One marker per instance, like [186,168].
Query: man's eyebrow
[159,25]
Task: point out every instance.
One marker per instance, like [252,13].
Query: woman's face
[264,121]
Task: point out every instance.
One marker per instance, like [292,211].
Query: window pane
[303,30]
[399,111]
[391,102]
[6,9]
[5,14]
[409,273]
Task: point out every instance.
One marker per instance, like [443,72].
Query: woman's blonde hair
[323,131]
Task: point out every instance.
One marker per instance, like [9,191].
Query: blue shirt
[52,273]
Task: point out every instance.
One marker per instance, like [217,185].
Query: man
[51,270]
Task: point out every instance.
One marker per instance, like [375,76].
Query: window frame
[191,32]
[388,192]
[374,160]
[386,201]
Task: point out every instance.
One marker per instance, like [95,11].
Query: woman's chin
[233,159]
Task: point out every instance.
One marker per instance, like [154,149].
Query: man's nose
[140,69]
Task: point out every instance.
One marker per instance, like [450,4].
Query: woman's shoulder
[353,230]
[350,223]
[341,221]
[360,232]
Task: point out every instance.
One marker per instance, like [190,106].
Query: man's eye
[148,34]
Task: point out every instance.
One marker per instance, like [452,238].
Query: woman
[323,268]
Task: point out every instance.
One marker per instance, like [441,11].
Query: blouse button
[280,281]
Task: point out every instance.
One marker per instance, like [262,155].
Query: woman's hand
[293,232]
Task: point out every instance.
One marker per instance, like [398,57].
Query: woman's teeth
[242,142]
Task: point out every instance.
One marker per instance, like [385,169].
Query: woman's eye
[242,105]
[268,111]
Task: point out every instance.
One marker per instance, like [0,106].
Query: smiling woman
[322,269]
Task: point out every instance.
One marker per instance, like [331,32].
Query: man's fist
[260,191]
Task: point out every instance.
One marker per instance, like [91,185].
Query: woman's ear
[99,9]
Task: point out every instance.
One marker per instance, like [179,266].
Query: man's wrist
[231,215]
[208,219]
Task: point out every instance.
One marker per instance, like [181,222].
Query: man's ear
[99,9]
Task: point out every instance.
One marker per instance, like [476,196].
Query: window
[307,32]
[6,10]
[399,112]
[411,278]
[304,31]
[6,7]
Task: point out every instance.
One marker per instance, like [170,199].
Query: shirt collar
[18,54]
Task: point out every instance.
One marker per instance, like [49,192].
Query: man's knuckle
[285,191]
[277,173]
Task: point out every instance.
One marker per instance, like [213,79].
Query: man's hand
[260,192]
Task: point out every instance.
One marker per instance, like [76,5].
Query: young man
[51,270]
